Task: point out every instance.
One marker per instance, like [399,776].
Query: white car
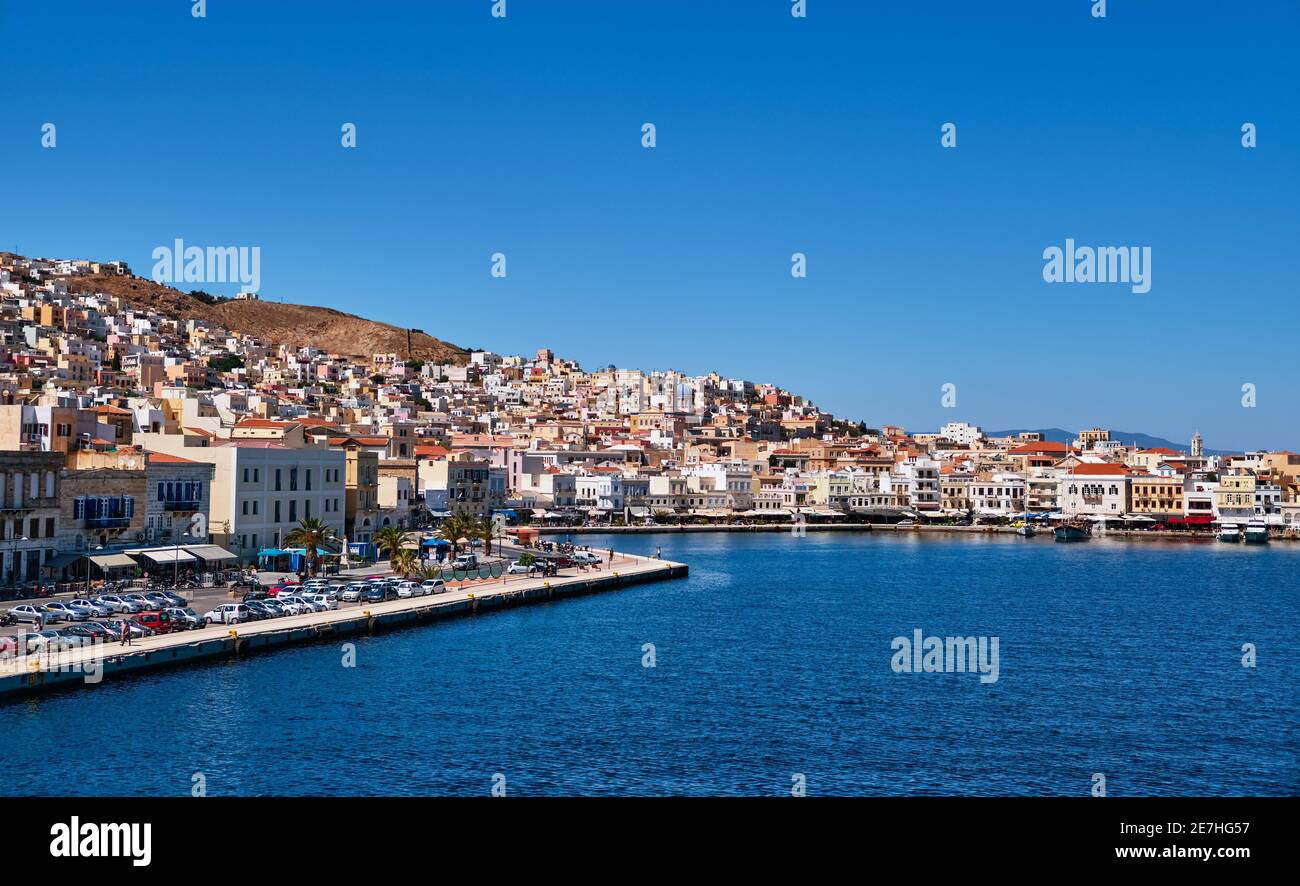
[323,602]
[295,605]
[27,612]
[518,568]
[433,585]
[352,593]
[586,558]
[410,589]
[228,614]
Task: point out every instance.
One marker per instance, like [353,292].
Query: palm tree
[428,571]
[404,562]
[454,528]
[390,540]
[484,529]
[311,534]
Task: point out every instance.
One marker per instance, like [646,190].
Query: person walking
[611,557]
[126,634]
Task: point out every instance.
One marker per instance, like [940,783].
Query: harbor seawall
[68,669]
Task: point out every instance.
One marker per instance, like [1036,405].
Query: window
[277,479]
[307,478]
[277,510]
[293,510]
[245,475]
[49,527]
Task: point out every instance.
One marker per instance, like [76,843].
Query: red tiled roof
[162,458]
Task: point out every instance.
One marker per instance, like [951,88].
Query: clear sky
[775,135]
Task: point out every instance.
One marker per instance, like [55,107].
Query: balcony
[182,506]
[107,522]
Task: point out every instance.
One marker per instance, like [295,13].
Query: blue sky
[775,135]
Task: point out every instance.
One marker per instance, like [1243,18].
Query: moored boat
[1256,532]
[1229,532]
[1026,530]
[1073,530]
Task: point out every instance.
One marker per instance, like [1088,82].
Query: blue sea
[771,668]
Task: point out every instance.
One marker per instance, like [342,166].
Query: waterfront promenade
[36,672]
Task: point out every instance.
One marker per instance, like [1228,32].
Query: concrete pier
[88,665]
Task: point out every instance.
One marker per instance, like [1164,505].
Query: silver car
[95,609]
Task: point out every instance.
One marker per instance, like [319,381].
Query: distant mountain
[276,322]
[1144,441]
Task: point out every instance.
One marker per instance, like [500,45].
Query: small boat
[1256,532]
[1229,532]
[1026,530]
[1073,530]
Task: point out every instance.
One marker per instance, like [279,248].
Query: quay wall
[39,673]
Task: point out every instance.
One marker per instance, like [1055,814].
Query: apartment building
[29,513]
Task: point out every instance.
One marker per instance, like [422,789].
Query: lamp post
[176,562]
[95,548]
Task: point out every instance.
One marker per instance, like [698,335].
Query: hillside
[276,322]
[1145,441]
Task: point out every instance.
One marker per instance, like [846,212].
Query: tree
[389,540]
[454,528]
[484,529]
[311,534]
[404,562]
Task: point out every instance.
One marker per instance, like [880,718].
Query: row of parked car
[139,625]
[105,605]
[319,595]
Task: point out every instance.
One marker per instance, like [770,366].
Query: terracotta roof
[162,458]
[263,423]
[1086,469]
[1045,447]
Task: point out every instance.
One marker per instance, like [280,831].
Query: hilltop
[277,322]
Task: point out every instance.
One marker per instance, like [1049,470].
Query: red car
[158,622]
[288,589]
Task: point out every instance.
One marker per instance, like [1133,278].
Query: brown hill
[276,322]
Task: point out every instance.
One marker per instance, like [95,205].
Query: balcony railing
[181,505]
[107,522]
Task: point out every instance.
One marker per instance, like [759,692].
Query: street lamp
[176,561]
[95,548]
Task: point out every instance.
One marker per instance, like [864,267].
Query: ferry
[1256,532]
[1229,532]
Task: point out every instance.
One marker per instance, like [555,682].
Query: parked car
[185,619]
[352,593]
[407,589]
[138,631]
[274,606]
[51,640]
[295,605]
[91,631]
[375,593]
[29,613]
[117,604]
[157,621]
[465,561]
[112,629]
[258,609]
[433,585]
[93,609]
[585,558]
[285,590]
[65,612]
[518,568]
[158,600]
[138,601]
[322,602]
[175,599]
[228,613]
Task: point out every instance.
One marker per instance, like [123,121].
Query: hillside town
[131,440]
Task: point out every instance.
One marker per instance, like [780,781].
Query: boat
[1229,532]
[1256,532]
[1026,530]
[1073,530]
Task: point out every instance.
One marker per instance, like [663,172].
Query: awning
[211,552]
[637,511]
[112,561]
[163,556]
[272,552]
[58,561]
[435,543]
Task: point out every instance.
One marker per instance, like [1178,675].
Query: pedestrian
[611,556]
[126,634]
[659,552]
